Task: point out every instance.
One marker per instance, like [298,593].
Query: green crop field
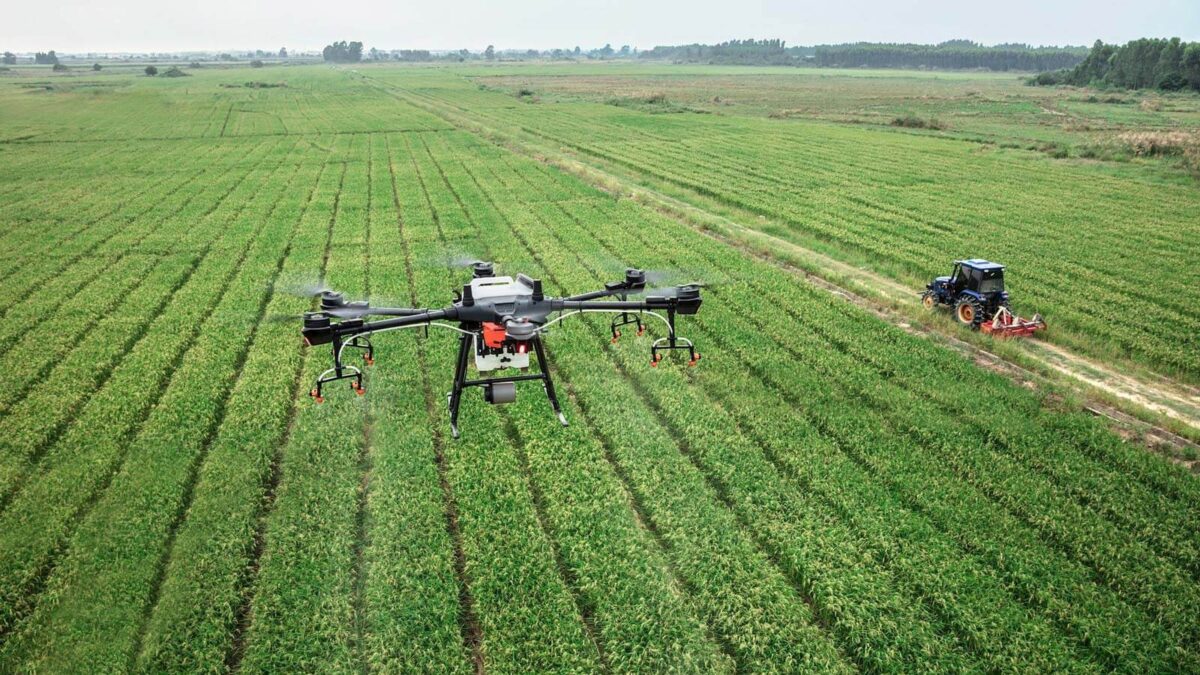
[824,491]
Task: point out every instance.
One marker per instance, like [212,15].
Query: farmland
[825,491]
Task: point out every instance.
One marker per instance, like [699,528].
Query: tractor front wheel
[969,312]
[928,300]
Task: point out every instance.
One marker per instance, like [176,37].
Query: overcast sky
[170,25]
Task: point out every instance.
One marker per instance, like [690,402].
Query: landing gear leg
[546,381]
[460,378]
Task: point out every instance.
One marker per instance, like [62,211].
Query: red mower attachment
[1005,324]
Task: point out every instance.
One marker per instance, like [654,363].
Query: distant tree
[624,51]
[59,67]
[489,53]
[194,64]
[532,53]
[46,58]
[174,71]
[1190,65]
[375,55]
[414,55]
[606,51]
[151,71]
[578,51]
[283,52]
[226,56]
[256,64]
[95,66]
[343,52]
[10,58]
[259,53]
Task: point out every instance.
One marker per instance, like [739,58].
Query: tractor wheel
[928,300]
[969,312]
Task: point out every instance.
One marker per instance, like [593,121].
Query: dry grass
[1184,144]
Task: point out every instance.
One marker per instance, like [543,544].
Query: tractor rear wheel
[969,312]
[928,300]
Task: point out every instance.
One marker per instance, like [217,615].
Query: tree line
[952,54]
[1148,63]
[734,52]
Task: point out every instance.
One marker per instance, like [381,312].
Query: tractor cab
[980,277]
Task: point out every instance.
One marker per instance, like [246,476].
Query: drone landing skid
[340,371]
[495,390]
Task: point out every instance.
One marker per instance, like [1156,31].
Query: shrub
[58,68]
[1151,104]
[194,64]
[1048,79]
[174,71]
[256,64]
[911,121]
[151,71]
[96,66]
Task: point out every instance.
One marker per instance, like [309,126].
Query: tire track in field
[569,579]
[472,629]
[38,582]
[638,512]
[197,466]
[365,466]
[244,614]
[62,425]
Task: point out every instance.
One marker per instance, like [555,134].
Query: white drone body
[492,351]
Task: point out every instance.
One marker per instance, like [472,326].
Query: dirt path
[1125,399]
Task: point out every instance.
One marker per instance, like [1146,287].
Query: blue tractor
[975,291]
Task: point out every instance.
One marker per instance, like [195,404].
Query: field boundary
[1161,414]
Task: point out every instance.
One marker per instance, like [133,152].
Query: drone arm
[595,294]
[318,329]
[393,311]
[409,318]
[653,302]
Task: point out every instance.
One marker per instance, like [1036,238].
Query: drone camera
[498,393]
[317,328]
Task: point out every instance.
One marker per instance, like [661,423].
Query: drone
[501,322]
